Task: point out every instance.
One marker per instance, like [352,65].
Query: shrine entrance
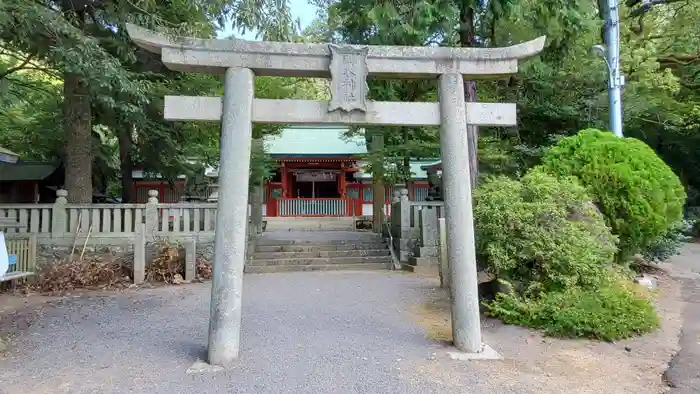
[316,184]
[348,67]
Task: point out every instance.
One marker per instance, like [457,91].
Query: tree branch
[31,86]
[679,60]
[648,6]
[16,68]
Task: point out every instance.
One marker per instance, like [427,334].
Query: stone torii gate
[348,68]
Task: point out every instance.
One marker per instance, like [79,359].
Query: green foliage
[541,232]
[669,244]
[85,44]
[30,112]
[610,312]
[543,236]
[639,195]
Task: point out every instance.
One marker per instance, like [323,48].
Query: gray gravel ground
[684,369]
[348,332]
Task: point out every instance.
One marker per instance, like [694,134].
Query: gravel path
[684,369]
[302,333]
[316,333]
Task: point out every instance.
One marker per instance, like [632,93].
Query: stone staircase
[319,251]
[314,224]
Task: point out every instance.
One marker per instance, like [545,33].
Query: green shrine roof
[324,141]
[315,142]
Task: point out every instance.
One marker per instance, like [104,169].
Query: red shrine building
[320,173]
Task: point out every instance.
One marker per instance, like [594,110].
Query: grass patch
[434,317]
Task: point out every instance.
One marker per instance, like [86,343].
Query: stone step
[264,269]
[420,269]
[321,253]
[321,261]
[423,261]
[276,224]
[320,247]
[317,242]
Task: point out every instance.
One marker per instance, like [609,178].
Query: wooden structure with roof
[320,174]
[29,182]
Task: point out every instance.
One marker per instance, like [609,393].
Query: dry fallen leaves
[113,272]
[96,272]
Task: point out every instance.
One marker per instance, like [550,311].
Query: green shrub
[639,195]
[637,192]
[541,233]
[670,243]
[610,312]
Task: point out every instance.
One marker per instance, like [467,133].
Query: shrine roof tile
[315,142]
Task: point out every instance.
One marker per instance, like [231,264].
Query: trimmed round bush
[541,233]
[639,195]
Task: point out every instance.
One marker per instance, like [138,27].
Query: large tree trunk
[126,164]
[466,38]
[78,128]
[378,186]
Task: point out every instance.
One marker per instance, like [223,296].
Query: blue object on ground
[12,258]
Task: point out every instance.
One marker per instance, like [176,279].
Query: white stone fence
[61,223]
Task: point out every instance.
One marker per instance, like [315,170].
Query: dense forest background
[74,89]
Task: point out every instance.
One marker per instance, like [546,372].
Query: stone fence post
[400,213]
[428,227]
[404,212]
[59,214]
[151,214]
[401,223]
[139,254]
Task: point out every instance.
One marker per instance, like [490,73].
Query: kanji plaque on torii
[348,66]
[348,78]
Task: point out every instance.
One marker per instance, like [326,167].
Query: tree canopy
[74,88]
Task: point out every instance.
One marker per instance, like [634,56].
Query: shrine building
[319,173]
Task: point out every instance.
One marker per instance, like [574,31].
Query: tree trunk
[378,186]
[126,164]
[78,128]
[406,160]
[466,39]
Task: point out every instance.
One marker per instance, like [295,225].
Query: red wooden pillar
[285,184]
[359,202]
[342,186]
[272,201]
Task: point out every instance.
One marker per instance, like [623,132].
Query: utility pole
[612,60]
